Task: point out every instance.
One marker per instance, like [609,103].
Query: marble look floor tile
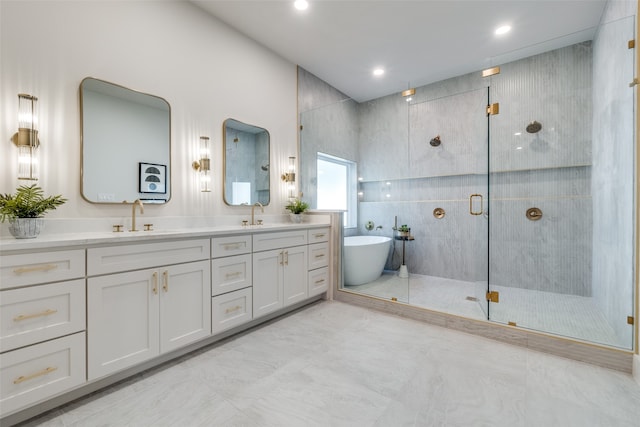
[333,364]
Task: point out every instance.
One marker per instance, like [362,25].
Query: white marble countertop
[95,238]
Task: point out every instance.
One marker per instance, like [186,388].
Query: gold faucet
[253,222]
[137,202]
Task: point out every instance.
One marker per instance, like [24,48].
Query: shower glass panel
[562,190]
[446,201]
[383,203]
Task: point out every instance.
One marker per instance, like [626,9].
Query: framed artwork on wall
[153,178]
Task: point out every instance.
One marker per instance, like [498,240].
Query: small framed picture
[153,178]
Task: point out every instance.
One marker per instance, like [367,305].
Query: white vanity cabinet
[279,269]
[42,326]
[231,282]
[318,261]
[136,315]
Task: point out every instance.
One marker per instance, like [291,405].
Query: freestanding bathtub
[364,258]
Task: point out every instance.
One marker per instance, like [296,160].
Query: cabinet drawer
[317,235]
[133,257]
[40,371]
[230,274]
[318,281]
[39,313]
[230,245]
[40,267]
[318,255]
[281,239]
[232,309]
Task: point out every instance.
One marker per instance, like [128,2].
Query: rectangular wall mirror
[126,144]
[246,164]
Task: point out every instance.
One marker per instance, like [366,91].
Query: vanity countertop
[64,240]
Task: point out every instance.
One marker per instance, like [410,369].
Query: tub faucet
[253,207]
[137,202]
[379,227]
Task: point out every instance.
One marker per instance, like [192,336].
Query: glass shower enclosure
[518,187]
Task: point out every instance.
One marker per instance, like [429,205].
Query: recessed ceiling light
[504,29]
[301,4]
[378,72]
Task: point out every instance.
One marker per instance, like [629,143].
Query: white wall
[204,69]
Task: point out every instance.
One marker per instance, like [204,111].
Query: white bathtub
[364,258]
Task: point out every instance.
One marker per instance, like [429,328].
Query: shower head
[534,127]
[265,167]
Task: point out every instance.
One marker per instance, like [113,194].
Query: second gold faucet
[137,202]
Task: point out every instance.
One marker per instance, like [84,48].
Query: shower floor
[566,315]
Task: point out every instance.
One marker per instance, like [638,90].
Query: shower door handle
[471,198]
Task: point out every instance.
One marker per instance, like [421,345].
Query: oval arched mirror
[126,144]
[246,163]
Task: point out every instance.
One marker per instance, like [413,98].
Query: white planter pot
[296,218]
[26,228]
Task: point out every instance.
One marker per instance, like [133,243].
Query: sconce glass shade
[290,177]
[26,139]
[204,165]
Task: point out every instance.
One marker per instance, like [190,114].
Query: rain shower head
[534,127]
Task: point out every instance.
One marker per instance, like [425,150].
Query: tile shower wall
[328,124]
[549,170]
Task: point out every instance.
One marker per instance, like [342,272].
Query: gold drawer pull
[165,279]
[42,267]
[154,286]
[232,309]
[234,274]
[24,378]
[320,256]
[319,235]
[231,246]
[319,281]
[33,316]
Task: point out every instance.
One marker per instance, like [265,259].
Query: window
[337,187]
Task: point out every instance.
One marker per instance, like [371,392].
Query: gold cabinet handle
[33,316]
[319,235]
[42,267]
[319,281]
[165,281]
[24,378]
[234,274]
[320,256]
[154,286]
[475,196]
[281,258]
[231,246]
[286,259]
[232,309]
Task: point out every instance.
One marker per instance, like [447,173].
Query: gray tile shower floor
[565,315]
[334,364]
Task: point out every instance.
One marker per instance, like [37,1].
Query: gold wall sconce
[203,166]
[290,177]
[26,139]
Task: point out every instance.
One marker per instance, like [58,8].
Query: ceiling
[417,42]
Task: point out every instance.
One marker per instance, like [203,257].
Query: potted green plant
[404,230]
[297,207]
[25,209]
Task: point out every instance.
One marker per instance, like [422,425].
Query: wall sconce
[204,165]
[290,177]
[26,139]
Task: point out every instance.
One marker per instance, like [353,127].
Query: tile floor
[566,315]
[333,364]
